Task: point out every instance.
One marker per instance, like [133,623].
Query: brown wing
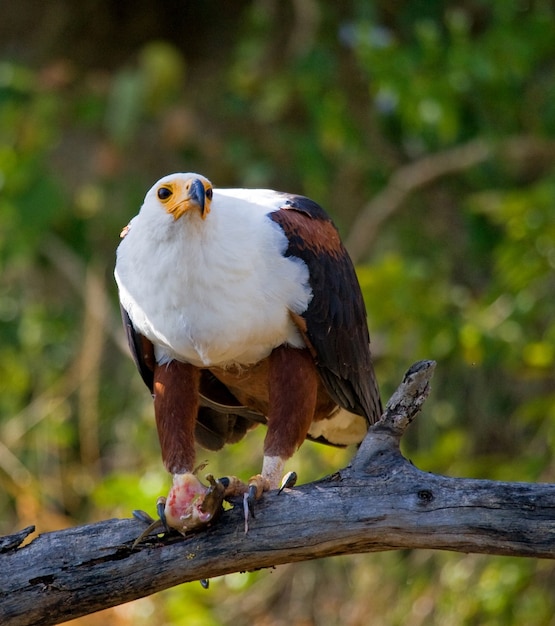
[334,324]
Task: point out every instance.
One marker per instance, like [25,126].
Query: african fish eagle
[241,307]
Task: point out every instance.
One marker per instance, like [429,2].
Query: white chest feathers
[215,291]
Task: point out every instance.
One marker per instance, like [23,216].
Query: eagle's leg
[293,387]
[189,503]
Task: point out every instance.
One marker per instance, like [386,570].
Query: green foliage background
[341,101]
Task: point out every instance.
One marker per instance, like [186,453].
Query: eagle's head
[179,193]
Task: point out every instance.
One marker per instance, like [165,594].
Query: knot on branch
[384,436]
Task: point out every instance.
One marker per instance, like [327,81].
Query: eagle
[242,307]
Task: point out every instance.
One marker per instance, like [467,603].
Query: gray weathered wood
[380,502]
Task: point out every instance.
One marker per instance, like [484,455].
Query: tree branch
[380,502]
[516,151]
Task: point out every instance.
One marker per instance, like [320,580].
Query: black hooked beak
[197,194]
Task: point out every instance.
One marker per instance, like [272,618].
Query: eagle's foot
[251,491]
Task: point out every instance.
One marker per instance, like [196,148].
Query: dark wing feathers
[142,350]
[335,326]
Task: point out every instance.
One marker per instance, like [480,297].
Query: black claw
[289,480]
[205,583]
[154,526]
[251,498]
[224,481]
[142,516]
[161,510]
[159,525]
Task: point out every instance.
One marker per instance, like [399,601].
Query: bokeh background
[426,128]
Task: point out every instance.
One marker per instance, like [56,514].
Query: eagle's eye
[164,193]
[209,193]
